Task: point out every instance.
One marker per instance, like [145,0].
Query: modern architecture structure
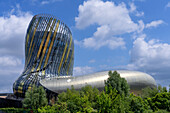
[136,80]
[49,52]
[49,58]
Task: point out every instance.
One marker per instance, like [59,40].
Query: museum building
[49,59]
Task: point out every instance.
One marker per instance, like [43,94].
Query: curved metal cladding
[136,80]
[49,52]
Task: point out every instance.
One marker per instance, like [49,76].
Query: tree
[120,84]
[77,101]
[35,98]
[104,103]
[59,107]
[164,89]
[136,104]
[149,92]
[160,101]
[90,93]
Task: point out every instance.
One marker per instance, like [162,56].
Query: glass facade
[49,52]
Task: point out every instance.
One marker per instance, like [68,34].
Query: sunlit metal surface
[137,80]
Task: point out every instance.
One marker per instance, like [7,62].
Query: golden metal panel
[42,42]
[62,58]
[19,91]
[19,87]
[33,36]
[51,45]
[46,44]
[43,39]
[29,34]
[68,49]
[31,52]
[70,60]
[29,87]
[28,59]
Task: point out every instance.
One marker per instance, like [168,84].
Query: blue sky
[108,34]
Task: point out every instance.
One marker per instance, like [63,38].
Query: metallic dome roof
[136,80]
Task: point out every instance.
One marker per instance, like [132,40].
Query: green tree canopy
[35,98]
[120,84]
[160,101]
[79,101]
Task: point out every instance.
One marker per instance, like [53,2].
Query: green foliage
[60,107]
[35,98]
[91,94]
[47,109]
[164,89]
[111,101]
[79,101]
[149,92]
[137,104]
[160,101]
[120,84]
[90,100]
[161,111]
[161,89]
[17,110]
[104,103]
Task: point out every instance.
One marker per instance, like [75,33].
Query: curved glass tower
[49,52]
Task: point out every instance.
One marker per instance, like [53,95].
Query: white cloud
[154,23]
[112,20]
[141,26]
[105,13]
[92,61]
[132,7]
[9,61]
[12,32]
[133,10]
[44,2]
[94,42]
[168,4]
[151,57]
[82,70]
[13,25]
[138,14]
[49,1]
[150,53]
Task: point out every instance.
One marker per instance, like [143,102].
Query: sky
[108,35]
